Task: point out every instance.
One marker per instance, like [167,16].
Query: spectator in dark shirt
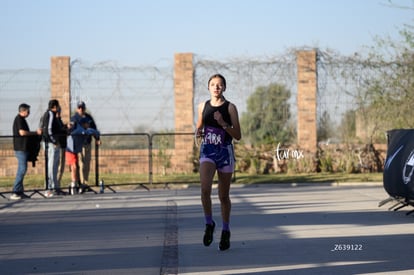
[53,131]
[21,133]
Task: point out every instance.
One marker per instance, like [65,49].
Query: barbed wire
[141,98]
[125,99]
[31,86]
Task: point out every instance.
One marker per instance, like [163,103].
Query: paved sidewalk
[276,229]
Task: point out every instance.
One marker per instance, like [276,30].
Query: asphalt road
[276,229]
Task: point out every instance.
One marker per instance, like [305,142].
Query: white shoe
[49,194]
[15,197]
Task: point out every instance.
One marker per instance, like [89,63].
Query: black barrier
[398,176]
[101,183]
[151,144]
[148,144]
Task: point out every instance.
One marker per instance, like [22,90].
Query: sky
[133,32]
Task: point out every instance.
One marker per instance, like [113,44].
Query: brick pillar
[306,100]
[184,111]
[60,83]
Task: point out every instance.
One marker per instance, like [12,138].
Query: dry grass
[133,180]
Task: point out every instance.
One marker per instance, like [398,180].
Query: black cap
[81,104]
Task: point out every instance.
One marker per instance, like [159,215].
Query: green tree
[326,127]
[266,118]
[347,128]
[390,94]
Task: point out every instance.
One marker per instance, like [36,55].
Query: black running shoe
[208,234]
[24,196]
[225,240]
[60,192]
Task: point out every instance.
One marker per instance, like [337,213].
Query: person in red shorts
[80,132]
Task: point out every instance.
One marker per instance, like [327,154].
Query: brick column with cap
[306,100]
[184,111]
[60,83]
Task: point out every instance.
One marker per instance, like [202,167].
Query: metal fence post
[150,171]
[46,164]
[96,164]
